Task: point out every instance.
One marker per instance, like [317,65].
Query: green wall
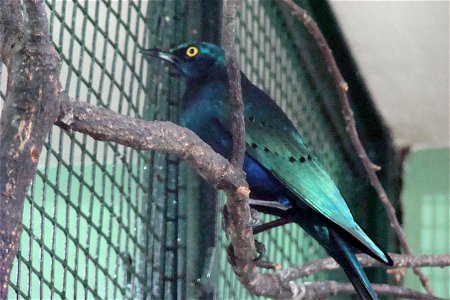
[426,212]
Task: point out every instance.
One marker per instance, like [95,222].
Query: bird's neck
[217,74]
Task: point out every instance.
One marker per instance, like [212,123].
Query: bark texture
[30,108]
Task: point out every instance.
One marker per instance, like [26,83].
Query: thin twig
[237,208]
[325,289]
[369,166]
[234,77]
[400,261]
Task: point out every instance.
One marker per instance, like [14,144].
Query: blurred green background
[426,204]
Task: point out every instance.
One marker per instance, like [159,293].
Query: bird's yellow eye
[192,51]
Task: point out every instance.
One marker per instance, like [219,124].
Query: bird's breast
[209,129]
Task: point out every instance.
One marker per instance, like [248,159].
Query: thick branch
[105,125]
[29,111]
[369,166]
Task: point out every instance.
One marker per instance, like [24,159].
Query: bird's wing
[274,142]
[286,156]
[283,153]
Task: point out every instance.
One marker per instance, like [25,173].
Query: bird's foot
[254,219]
[268,265]
[261,250]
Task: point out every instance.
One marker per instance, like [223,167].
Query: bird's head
[193,60]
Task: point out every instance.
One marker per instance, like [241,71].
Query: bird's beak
[155,52]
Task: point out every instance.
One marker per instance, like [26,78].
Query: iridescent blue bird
[280,168]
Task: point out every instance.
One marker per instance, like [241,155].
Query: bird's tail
[346,258]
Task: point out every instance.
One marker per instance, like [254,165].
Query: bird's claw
[261,249]
[254,218]
[224,218]
[252,221]
[268,265]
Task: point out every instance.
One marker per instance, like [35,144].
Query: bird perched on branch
[282,172]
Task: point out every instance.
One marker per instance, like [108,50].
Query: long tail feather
[345,257]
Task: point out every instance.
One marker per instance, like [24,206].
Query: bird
[283,174]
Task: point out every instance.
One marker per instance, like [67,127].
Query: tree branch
[105,125]
[29,111]
[234,77]
[400,261]
[324,289]
[369,166]
[237,210]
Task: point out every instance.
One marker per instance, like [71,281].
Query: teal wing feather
[275,143]
[284,154]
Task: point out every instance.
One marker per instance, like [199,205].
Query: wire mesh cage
[104,221]
[101,220]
